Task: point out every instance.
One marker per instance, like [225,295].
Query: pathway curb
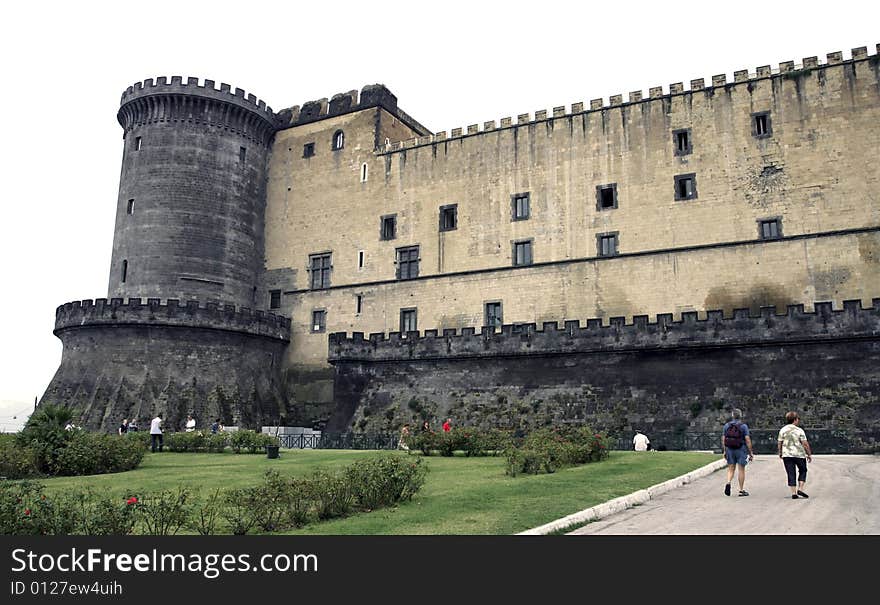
[623,502]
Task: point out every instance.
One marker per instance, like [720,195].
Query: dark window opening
[363,173]
[137,143]
[520,206]
[130,208]
[686,187]
[319,320]
[319,267]
[274,299]
[124,270]
[308,150]
[338,140]
[359,304]
[606,196]
[449,217]
[761,124]
[360,259]
[388,227]
[408,262]
[682,140]
[242,154]
[408,321]
[493,314]
[770,228]
[606,244]
[522,253]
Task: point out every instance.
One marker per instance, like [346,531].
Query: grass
[461,495]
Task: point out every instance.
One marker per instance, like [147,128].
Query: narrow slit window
[449,217]
[242,154]
[130,208]
[124,270]
[388,227]
[338,140]
[682,141]
[274,299]
[606,244]
[606,196]
[358,304]
[686,187]
[319,320]
[360,259]
[137,143]
[363,173]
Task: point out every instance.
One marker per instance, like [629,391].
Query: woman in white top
[794,449]
[190,424]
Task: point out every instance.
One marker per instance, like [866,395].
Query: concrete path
[844,500]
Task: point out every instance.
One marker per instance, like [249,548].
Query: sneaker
[743,492]
[727,490]
[794,497]
[802,494]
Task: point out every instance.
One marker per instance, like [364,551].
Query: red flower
[27,512]
[132,500]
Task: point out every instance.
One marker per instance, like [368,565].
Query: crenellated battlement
[207,88]
[744,76]
[372,95]
[171,312]
[742,329]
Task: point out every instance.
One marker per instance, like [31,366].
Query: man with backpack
[736,445]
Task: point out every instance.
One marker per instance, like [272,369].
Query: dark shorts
[738,456]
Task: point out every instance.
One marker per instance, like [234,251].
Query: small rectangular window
[493,316]
[682,141]
[319,320]
[124,270]
[606,244]
[770,228]
[363,173]
[319,269]
[360,259]
[388,227]
[130,208]
[522,253]
[519,206]
[308,150]
[408,321]
[449,217]
[358,304]
[408,262]
[686,187]
[137,143]
[761,124]
[274,299]
[242,154]
[606,196]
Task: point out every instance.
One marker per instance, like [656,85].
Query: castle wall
[655,376]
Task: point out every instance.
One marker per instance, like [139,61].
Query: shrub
[26,510]
[94,453]
[142,437]
[206,514]
[103,516]
[384,480]
[217,443]
[17,461]
[196,441]
[165,513]
[549,449]
[424,441]
[240,510]
[251,441]
[332,494]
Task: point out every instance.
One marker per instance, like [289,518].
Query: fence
[822,441]
[340,441]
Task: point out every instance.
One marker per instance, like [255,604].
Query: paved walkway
[844,500]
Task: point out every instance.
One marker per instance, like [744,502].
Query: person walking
[794,449]
[156,432]
[640,442]
[447,426]
[123,427]
[736,446]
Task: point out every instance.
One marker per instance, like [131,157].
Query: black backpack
[733,436]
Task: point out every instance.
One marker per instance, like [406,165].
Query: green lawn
[461,495]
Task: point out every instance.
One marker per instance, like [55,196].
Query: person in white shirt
[190,424]
[640,442]
[156,432]
[794,449]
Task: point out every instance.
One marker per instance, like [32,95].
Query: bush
[26,511]
[549,449]
[95,453]
[251,441]
[205,516]
[240,510]
[165,513]
[385,480]
[104,516]
[17,461]
[196,441]
[332,494]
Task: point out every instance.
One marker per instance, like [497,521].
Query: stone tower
[180,331]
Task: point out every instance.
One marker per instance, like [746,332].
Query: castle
[645,261]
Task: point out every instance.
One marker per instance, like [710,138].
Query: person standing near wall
[640,442]
[156,433]
[794,449]
[734,441]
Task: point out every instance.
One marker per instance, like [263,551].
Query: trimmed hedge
[547,450]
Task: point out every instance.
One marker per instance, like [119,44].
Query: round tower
[190,211]
[179,333]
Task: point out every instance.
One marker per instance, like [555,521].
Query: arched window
[338,140]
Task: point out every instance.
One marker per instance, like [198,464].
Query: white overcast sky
[451,64]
